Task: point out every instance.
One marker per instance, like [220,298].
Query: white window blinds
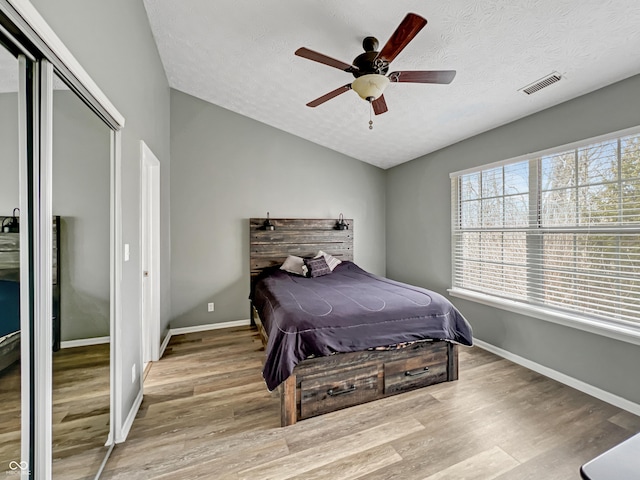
[559,230]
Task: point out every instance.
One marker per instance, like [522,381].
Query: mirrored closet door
[59,264]
[10,335]
[81,286]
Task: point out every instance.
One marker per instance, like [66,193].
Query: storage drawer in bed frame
[421,370]
[325,384]
[332,392]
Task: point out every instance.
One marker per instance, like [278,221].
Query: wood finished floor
[80,412]
[81,400]
[206,414]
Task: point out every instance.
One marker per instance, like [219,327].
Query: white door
[150,253]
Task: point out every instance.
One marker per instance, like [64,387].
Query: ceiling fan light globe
[370,87]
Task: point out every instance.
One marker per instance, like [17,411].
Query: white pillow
[295,265]
[332,261]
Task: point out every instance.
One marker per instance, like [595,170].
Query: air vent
[542,83]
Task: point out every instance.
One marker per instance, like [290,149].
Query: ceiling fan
[370,68]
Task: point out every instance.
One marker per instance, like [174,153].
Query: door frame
[149,254]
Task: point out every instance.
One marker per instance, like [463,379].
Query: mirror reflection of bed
[9,264]
[81,373]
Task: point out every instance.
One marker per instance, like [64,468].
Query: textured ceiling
[240,55]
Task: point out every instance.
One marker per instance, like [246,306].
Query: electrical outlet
[210,307]
[133,373]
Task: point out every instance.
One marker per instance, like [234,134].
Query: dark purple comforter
[346,311]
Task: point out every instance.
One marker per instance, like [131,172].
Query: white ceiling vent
[542,83]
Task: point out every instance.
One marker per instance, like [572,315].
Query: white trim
[85,342]
[126,427]
[623,333]
[25,268]
[104,460]
[201,328]
[116,285]
[549,151]
[572,382]
[42,268]
[149,254]
[210,326]
[24,14]
[164,344]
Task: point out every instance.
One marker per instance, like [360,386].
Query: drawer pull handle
[335,393]
[415,373]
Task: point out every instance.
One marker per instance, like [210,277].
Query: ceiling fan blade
[320,58]
[408,28]
[329,96]
[419,76]
[379,105]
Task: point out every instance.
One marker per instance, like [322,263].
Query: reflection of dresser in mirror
[10,293]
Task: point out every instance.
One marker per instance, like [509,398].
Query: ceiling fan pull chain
[370,119]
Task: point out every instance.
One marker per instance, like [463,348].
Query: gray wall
[9,165]
[227,168]
[113,42]
[81,165]
[419,225]
[80,197]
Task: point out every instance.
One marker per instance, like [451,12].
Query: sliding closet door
[11,332]
[27,123]
[18,305]
[26,413]
[81,286]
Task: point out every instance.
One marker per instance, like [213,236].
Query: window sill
[624,333]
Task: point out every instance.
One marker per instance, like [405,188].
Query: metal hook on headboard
[13,225]
[341,224]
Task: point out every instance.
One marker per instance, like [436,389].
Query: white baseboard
[84,342]
[201,328]
[584,387]
[210,326]
[130,418]
[164,343]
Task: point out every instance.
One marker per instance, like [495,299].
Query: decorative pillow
[333,262]
[317,266]
[294,265]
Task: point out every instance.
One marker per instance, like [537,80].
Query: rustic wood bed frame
[324,384]
[10,270]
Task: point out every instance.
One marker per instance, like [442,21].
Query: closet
[59,261]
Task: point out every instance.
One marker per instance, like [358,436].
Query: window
[558,230]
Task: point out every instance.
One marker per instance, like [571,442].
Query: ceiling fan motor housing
[368,62]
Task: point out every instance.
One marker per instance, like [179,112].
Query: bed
[347,337]
[10,293]
[10,321]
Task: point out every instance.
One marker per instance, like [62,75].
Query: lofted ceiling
[240,55]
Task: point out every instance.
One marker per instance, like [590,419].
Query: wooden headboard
[10,253]
[10,268]
[296,236]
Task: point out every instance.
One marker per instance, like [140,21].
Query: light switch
[126,252]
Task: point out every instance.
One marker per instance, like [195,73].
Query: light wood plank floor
[80,410]
[206,414]
[81,400]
